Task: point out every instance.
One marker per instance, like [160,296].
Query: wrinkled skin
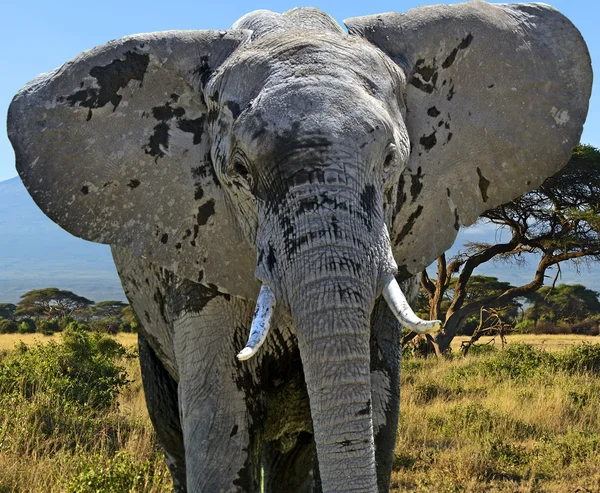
[287,153]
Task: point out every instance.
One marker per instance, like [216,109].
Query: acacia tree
[7,310]
[51,302]
[108,309]
[558,222]
[563,303]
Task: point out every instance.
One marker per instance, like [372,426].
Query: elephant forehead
[304,57]
[322,121]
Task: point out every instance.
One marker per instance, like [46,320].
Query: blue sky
[39,35]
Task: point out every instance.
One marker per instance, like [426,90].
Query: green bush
[516,362]
[80,370]
[64,322]
[583,357]
[590,326]
[8,326]
[128,327]
[482,349]
[109,325]
[123,473]
[525,326]
[27,326]
[77,326]
[46,327]
[519,361]
[573,448]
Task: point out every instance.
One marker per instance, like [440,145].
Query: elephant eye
[389,157]
[239,169]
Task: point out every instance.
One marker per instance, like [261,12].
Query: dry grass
[9,341]
[466,426]
[550,342]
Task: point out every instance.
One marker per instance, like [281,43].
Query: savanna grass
[517,420]
[520,419]
[73,419]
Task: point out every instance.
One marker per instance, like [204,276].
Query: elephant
[282,179]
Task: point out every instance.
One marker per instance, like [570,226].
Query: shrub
[8,326]
[589,326]
[80,370]
[526,326]
[128,327]
[518,361]
[64,322]
[27,326]
[46,327]
[123,473]
[583,357]
[108,325]
[574,447]
[482,349]
[77,326]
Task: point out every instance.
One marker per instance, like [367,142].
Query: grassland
[500,422]
[9,341]
[48,447]
[518,420]
[548,342]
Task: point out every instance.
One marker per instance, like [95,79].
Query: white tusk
[265,306]
[403,312]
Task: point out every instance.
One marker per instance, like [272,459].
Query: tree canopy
[106,309]
[51,302]
[7,310]
[569,303]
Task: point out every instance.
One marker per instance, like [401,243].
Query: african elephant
[288,158]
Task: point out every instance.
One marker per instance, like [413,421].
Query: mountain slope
[36,253]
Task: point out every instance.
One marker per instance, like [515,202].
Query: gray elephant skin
[289,154]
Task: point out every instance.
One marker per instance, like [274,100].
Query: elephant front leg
[385,388]
[160,390]
[221,450]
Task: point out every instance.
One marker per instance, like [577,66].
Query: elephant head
[287,154]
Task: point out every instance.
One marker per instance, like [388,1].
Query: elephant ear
[113,146]
[496,99]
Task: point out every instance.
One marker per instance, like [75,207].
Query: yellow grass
[550,342]
[459,432]
[486,432]
[29,463]
[9,341]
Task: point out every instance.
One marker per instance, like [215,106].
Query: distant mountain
[36,253]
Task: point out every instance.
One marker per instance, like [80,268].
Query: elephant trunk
[331,316]
[329,273]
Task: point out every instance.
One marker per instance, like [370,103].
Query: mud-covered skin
[223,403]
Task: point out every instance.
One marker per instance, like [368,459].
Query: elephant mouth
[393,295]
